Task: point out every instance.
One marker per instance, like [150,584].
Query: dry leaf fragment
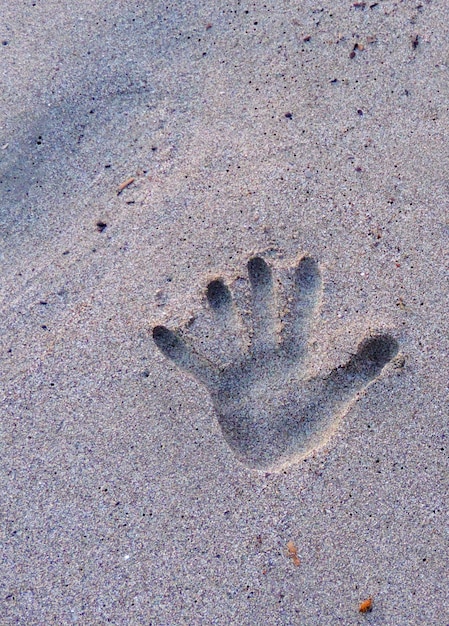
[366,606]
[125,184]
[293,553]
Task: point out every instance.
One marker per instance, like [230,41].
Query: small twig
[125,184]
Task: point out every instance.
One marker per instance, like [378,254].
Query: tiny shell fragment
[293,553]
[366,605]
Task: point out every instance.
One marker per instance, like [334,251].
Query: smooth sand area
[221,177]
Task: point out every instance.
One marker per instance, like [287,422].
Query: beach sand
[274,131]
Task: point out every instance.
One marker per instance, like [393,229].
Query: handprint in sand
[271,411]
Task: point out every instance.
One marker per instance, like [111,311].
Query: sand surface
[276,131]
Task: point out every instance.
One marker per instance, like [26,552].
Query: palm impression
[271,412]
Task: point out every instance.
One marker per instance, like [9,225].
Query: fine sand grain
[224,291]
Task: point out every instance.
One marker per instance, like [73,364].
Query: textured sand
[278,128]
